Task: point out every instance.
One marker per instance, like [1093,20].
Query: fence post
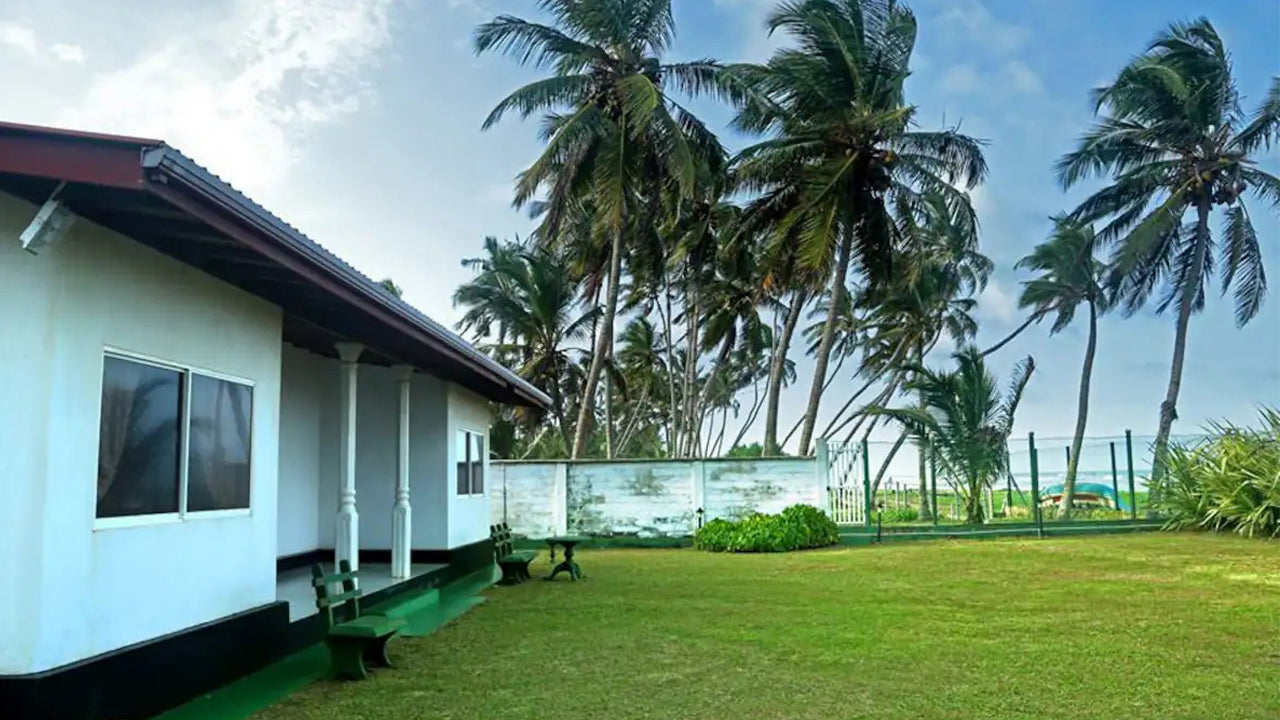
[1115,481]
[1128,454]
[933,487]
[821,473]
[560,499]
[1035,484]
[866,481]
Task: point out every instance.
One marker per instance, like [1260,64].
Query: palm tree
[614,135]
[524,303]
[1068,274]
[390,286]
[840,145]
[965,422]
[940,272]
[1173,140]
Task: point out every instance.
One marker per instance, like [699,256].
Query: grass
[1169,626]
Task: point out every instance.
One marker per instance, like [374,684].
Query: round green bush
[796,528]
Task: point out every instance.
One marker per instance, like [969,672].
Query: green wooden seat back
[501,540]
[327,601]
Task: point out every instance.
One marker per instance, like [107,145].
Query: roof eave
[164,166]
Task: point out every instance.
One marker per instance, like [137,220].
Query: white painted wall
[646,498]
[309,455]
[429,463]
[26,373]
[468,514]
[304,379]
[88,591]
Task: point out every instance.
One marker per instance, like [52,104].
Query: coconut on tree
[840,147]
[1176,148]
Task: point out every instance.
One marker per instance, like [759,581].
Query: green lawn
[1132,626]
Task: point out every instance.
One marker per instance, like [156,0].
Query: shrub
[900,515]
[795,528]
[1229,483]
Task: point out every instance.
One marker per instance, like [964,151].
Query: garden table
[568,565]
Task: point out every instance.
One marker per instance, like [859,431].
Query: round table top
[564,540]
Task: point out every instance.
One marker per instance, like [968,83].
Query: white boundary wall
[647,498]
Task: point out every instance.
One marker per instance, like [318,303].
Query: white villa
[199,402]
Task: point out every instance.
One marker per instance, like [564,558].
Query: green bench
[514,563]
[354,640]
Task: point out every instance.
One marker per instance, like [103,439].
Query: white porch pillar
[401,513]
[347,538]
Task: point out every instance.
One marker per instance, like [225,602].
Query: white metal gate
[845,488]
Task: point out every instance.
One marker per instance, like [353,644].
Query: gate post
[866,482]
[822,473]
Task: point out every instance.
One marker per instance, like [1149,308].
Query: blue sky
[358,121]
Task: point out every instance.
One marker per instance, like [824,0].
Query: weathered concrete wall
[646,498]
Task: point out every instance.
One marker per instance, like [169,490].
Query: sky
[358,121]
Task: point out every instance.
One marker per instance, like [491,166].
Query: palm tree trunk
[973,503]
[777,368]
[690,397]
[704,397]
[668,340]
[828,339]
[831,378]
[1168,408]
[604,341]
[875,483]
[1082,417]
[1034,317]
[756,404]
[608,415]
[922,467]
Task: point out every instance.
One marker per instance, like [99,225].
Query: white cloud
[756,44]
[1022,78]
[239,93]
[63,52]
[995,302]
[19,37]
[959,80]
[972,19]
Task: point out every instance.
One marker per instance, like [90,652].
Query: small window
[218,455]
[152,416]
[468,451]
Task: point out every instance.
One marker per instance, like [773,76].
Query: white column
[347,538]
[401,513]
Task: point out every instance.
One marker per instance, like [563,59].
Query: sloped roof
[151,192]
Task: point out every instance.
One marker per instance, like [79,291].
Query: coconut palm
[614,134]
[1172,140]
[526,307]
[840,144]
[1068,275]
[965,422]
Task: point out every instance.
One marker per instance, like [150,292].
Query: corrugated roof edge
[169,160]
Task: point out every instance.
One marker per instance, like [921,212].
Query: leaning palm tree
[1173,140]
[1068,275]
[840,144]
[965,422]
[614,134]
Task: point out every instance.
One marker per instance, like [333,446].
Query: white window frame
[184,450]
[484,439]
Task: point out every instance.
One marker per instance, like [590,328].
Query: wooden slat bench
[514,563]
[354,640]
